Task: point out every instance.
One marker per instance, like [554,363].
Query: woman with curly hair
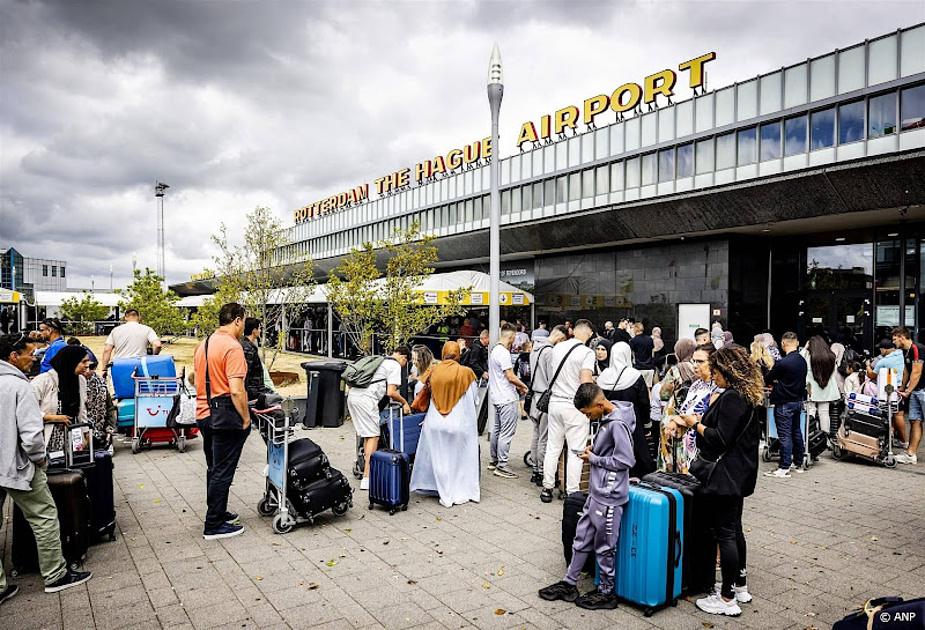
[727,468]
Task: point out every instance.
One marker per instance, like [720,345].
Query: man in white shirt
[566,423]
[130,340]
[363,403]
[541,369]
[504,388]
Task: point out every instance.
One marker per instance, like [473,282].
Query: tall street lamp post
[159,189]
[495,94]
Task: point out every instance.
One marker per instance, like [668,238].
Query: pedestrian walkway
[819,544]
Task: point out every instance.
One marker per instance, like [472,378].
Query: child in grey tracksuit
[598,530]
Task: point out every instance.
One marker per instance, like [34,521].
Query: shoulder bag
[528,397]
[542,402]
[422,401]
[223,415]
[703,468]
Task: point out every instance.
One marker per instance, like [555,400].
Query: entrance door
[837,290]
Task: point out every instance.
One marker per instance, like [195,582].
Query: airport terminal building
[791,200]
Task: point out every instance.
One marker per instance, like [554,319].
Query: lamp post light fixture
[159,189]
[495,94]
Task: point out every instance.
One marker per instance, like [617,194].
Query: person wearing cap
[52,333]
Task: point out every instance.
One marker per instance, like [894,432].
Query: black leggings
[725,514]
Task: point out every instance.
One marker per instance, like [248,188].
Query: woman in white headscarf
[621,381]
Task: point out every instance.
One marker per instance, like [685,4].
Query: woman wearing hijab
[767,340]
[821,386]
[657,341]
[839,351]
[447,460]
[601,354]
[62,393]
[621,381]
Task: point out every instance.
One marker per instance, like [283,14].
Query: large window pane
[882,115]
[587,183]
[527,194]
[666,165]
[506,201]
[574,186]
[770,141]
[632,173]
[704,156]
[748,146]
[822,129]
[602,185]
[851,122]
[538,195]
[686,160]
[616,176]
[550,192]
[648,169]
[912,103]
[725,151]
[561,189]
[795,135]
[516,200]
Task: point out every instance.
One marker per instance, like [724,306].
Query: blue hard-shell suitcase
[389,480]
[648,564]
[126,413]
[404,431]
[154,365]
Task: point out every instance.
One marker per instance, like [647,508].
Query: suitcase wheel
[392,511]
[766,454]
[837,453]
[357,471]
[181,443]
[890,461]
[136,446]
[648,611]
[283,524]
[265,507]
[341,508]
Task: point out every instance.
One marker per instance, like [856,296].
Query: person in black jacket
[254,383]
[477,357]
[727,435]
[621,381]
[787,379]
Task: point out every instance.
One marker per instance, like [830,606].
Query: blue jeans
[789,432]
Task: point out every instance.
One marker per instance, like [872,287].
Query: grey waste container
[326,402]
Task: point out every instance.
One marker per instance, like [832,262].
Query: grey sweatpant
[598,531]
[538,444]
[503,427]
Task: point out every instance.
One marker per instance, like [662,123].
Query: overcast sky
[236,104]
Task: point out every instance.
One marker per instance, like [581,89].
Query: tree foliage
[157,306]
[388,306]
[259,275]
[83,312]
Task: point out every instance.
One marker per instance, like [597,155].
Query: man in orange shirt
[222,416]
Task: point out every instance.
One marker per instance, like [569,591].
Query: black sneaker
[69,579]
[546,495]
[231,518]
[560,590]
[536,478]
[224,530]
[595,600]
[8,592]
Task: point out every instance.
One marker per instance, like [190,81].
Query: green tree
[353,293]
[157,306]
[404,311]
[83,312]
[261,274]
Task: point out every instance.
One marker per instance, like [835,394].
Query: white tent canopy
[55,298]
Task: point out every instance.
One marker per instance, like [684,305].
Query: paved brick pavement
[819,545]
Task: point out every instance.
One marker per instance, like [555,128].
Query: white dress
[447,459]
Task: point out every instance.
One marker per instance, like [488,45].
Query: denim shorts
[917,405]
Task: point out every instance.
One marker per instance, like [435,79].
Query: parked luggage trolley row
[300,482]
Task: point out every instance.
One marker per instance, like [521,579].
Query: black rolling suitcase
[102,501]
[572,509]
[307,463]
[699,554]
[331,491]
[69,491]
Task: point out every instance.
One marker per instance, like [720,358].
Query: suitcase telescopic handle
[678,546]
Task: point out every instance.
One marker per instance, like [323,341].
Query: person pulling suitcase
[22,467]
[611,458]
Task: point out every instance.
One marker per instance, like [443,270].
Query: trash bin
[326,402]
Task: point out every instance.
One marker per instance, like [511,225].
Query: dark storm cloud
[236,104]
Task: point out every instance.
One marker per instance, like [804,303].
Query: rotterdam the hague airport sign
[626,99]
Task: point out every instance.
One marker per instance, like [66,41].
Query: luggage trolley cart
[771,449]
[157,401]
[275,500]
[864,435]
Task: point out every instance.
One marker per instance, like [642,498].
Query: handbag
[703,468]
[543,402]
[528,397]
[223,415]
[422,401]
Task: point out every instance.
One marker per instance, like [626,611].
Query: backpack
[360,373]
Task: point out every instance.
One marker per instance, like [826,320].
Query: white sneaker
[266,470]
[716,605]
[778,473]
[364,484]
[906,458]
[742,594]
[797,469]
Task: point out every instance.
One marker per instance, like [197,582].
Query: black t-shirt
[915,354]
